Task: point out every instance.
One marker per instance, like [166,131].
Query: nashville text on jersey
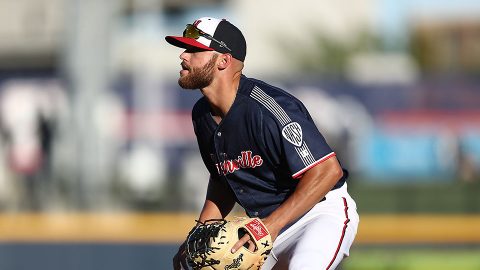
[245,160]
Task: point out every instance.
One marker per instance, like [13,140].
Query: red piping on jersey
[301,172]
[343,232]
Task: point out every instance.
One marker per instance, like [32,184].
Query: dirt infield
[172,228]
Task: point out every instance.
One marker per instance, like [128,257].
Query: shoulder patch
[293,133]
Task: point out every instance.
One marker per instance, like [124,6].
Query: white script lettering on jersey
[245,160]
[293,133]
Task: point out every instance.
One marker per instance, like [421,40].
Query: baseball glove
[208,245]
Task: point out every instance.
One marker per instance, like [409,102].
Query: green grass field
[413,259]
[439,197]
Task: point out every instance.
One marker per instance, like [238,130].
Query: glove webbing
[198,244]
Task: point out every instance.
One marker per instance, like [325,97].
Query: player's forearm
[219,201]
[210,211]
[312,188]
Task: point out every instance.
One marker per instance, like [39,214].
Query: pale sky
[394,14]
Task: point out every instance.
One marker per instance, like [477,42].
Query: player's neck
[221,96]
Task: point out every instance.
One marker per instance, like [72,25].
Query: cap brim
[184,42]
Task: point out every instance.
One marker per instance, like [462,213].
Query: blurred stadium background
[99,167]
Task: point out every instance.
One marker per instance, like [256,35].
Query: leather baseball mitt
[208,245]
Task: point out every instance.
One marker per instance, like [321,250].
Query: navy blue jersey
[262,147]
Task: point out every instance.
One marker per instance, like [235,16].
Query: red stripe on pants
[343,233]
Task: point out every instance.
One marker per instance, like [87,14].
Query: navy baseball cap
[212,34]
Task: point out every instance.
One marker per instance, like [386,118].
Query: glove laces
[199,242]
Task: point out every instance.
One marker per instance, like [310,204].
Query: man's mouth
[184,70]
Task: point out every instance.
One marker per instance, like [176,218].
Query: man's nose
[183,55]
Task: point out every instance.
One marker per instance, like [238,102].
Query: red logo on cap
[257,229]
[197,22]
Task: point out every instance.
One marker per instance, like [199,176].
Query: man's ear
[224,60]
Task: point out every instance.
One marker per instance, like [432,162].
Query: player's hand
[179,260]
[272,228]
[246,239]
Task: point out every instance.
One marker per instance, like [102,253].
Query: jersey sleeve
[290,128]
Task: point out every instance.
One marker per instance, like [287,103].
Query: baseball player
[263,151]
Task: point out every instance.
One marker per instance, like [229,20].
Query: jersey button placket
[217,144]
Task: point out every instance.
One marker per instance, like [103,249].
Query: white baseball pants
[320,239]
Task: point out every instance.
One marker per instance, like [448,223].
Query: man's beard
[199,78]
